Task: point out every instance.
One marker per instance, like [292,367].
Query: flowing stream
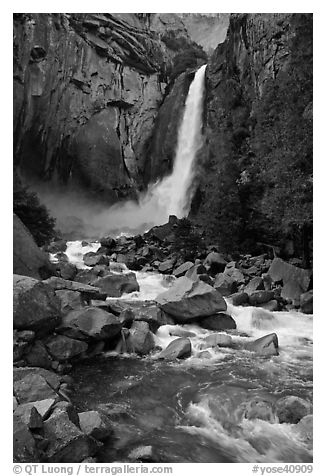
[192,410]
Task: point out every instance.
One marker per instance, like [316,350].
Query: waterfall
[170,196]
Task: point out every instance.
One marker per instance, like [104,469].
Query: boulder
[235,274]
[218,322]
[144,454]
[167,266]
[292,409]
[260,297]
[238,299]
[254,284]
[67,443]
[272,305]
[70,300]
[177,349]
[295,280]
[225,284]
[56,246]
[305,429]
[108,242]
[92,259]
[33,387]
[182,269]
[266,345]
[115,285]
[195,271]
[28,258]
[35,305]
[37,356]
[180,332]
[164,232]
[140,339]
[67,270]
[188,300]
[29,415]
[24,447]
[26,372]
[306,302]
[43,407]
[90,323]
[95,424]
[64,348]
[215,263]
[150,314]
[214,340]
[88,292]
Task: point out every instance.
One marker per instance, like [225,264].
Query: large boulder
[29,259]
[114,285]
[218,322]
[295,280]
[187,300]
[35,305]
[291,409]
[177,349]
[33,387]
[87,291]
[64,348]
[70,300]
[215,263]
[260,297]
[90,323]
[140,339]
[266,345]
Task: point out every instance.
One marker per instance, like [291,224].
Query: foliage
[33,214]
[188,243]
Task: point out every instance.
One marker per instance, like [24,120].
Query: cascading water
[170,196]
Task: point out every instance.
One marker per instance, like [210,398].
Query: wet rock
[204,355]
[55,246]
[90,323]
[255,284]
[305,429]
[67,443]
[37,356]
[218,322]
[67,270]
[177,349]
[95,424]
[92,259]
[213,340]
[64,348]
[28,258]
[115,285]
[238,299]
[24,447]
[266,345]
[142,453]
[29,415]
[187,300]
[140,339]
[292,409]
[306,302]
[215,263]
[261,409]
[260,297]
[35,305]
[180,332]
[225,284]
[182,269]
[272,305]
[70,300]
[152,315]
[108,242]
[33,387]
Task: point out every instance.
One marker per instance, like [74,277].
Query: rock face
[187,300]
[35,305]
[88,88]
[257,72]
[29,260]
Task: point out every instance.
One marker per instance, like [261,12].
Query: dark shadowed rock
[267,345]
[238,299]
[140,339]
[64,348]
[88,292]
[306,302]
[67,270]
[38,356]
[29,415]
[70,300]
[28,258]
[187,300]
[178,349]
[260,297]
[90,323]
[25,372]
[95,424]
[218,322]
[225,284]
[272,305]
[33,387]
[24,447]
[92,259]
[67,443]
[215,263]
[35,305]
[291,409]
[195,271]
[295,280]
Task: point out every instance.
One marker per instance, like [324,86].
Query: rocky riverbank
[67,317]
